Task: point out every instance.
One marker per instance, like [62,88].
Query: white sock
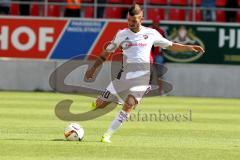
[117,122]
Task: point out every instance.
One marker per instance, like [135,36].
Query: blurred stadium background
[38,36]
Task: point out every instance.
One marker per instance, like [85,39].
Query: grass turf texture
[30,130]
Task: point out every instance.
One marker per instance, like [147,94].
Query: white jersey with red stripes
[135,74]
[137,46]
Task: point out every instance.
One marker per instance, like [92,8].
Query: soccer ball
[74,132]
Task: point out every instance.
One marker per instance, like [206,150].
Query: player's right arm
[110,48]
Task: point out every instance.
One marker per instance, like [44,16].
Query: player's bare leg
[99,103]
[129,104]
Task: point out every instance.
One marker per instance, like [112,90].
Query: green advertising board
[220,41]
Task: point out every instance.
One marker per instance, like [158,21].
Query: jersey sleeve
[114,44]
[160,41]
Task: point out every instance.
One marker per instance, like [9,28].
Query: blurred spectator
[125,10]
[157,55]
[209,14]
[231,16]
[100,10]
[24,9]
[72,9]
[4,7]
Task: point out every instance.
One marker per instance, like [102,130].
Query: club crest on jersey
[126,38]
[145,36]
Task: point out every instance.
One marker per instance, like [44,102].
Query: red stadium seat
[153,12]
[179,2]
[198,15]
[161,2]
[139,1]
[14,9]
[221,3]
[88,12]
[35,10]
[114,1]
[177,14]
[238,16]
[239,3]
[220,16]
[54,11]
[112,12]
[198,2]
[127,1]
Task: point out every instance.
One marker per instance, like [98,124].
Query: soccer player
[129,87]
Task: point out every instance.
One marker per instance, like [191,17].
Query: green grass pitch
[29,130]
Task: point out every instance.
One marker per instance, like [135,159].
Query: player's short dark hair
[135,9]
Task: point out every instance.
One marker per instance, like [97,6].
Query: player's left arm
[177,47]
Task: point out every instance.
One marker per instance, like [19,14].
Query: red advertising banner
[29,38]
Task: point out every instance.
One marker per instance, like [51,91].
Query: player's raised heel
[106,138]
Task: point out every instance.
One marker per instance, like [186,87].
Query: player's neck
[135,30]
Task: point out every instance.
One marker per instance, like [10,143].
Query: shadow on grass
[84,141]
[56,140]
